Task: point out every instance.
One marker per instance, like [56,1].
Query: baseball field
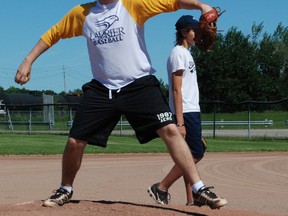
[254,183]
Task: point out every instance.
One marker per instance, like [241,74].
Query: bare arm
[194,5]
[24,71]
[178,102]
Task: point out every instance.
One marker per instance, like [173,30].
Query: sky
[66,67]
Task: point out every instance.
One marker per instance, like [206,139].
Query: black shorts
[192,121]
[100,109]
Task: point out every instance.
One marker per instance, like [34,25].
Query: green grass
[48,144]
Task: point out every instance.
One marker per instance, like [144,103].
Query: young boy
[184,104]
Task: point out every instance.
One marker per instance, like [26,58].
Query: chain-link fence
[253,118]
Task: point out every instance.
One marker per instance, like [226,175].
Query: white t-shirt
[115,37]
[181,59]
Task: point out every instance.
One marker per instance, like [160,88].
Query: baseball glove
[207,29]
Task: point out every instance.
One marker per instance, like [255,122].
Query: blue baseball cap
[186,21]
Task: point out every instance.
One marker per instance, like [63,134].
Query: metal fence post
[249,121]
[214,119]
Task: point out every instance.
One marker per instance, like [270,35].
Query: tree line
[238,68]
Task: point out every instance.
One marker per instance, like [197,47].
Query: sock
[197,186]
[68,188]
[163,190]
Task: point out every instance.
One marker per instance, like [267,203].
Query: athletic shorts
[100,109]
[192,121]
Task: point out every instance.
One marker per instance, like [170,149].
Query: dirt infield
[253,183]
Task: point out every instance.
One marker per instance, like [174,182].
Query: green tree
[17,90]
[74,92]
[228,72]
[272,63]
[281,39]
[244,67]
[164,88]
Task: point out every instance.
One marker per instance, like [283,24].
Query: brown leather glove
[207,29]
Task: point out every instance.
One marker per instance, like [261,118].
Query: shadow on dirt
[160,207]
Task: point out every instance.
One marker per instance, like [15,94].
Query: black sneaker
[205,197]
[60,197]
[160,197]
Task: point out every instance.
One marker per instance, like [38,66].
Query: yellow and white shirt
[115,37]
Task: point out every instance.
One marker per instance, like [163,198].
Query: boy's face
[190,36]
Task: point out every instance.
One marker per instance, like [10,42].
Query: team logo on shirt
[192,67]
[105,33]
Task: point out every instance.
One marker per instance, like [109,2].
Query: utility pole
[64,76]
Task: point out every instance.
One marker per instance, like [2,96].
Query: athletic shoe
[205,197]
[160,197]
[60,197]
